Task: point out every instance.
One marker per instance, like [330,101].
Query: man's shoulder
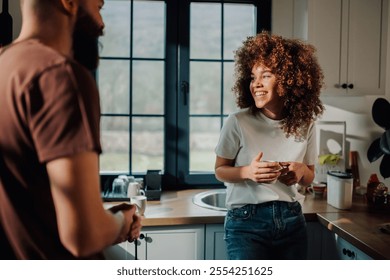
[34,48]
[30,59]
[32,55]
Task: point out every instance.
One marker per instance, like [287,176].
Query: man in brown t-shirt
[50,205]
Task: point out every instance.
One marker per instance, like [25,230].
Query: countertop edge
[349,237]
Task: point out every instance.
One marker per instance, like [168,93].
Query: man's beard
[85,40]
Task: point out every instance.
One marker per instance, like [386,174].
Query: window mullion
[171,95]
[131,88]
[183,76]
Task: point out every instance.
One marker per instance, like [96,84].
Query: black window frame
[176,148]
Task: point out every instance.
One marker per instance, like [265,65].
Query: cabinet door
[314,247]
[175,243]
[350,37]
[366,46]
[325,33]
[321,242]
[289,18]
[163,243]
[172,243]
[214,243]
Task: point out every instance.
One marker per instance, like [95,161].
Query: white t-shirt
[243,136]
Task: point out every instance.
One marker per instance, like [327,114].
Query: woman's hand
[296,172]
[263,171]
[257,171]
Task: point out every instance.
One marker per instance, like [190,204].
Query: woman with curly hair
[269,146]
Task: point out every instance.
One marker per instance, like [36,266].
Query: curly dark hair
[299,78]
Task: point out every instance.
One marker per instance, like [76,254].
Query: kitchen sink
[213,199]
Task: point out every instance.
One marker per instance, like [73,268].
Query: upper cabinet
[289,18]
[351,39]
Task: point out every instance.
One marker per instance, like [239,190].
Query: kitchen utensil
[353,155]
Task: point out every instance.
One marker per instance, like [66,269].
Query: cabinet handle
[344,86]
[147,238]
[349,253]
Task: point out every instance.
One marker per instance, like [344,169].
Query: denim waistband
[269,204]
[274,202]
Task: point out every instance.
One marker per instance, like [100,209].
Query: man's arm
[85,227]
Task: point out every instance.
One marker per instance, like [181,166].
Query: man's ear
[70,6]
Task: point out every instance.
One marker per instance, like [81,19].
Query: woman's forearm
[231,174]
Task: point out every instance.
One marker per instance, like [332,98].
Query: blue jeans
[267,231]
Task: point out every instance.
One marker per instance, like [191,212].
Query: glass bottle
[5,25]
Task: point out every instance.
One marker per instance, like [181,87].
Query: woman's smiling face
[263,90]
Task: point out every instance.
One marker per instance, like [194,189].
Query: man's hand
[132,224]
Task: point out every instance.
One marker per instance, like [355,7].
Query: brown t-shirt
[49,108]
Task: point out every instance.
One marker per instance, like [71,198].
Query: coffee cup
[140,202]
[276,167]
[317,189]
[134,189]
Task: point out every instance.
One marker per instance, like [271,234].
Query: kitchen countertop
[360,227]
[357,225]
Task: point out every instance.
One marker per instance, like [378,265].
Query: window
[165,79]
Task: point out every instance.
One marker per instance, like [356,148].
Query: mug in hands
[140,202]
[276,166]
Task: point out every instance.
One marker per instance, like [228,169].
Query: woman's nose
[258,82]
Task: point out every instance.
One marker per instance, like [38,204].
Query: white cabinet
[198,242]
[350,37]
[163,243]
[289,18]
[215,248]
